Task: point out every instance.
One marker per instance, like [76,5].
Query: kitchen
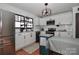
[36,34]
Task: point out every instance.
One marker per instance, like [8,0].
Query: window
[22,22]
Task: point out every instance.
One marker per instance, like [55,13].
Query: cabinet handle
[31,35]
[24,37]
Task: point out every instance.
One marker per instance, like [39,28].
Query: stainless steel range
[51,31]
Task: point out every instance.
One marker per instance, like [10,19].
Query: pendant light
[46,11]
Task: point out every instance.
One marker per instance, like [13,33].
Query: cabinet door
[33,36]
[43,21]
[66,18]
[19,41]
[29,38]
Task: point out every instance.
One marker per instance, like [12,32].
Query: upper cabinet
[23,23]
[43,21]
[64,18]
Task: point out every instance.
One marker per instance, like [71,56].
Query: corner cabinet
[24,39]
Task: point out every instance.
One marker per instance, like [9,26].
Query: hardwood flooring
[22,52]
[6,46]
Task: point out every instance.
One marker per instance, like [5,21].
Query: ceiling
[36,8]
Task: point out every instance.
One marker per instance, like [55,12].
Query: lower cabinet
[29,38]
[24,39]
[19,41]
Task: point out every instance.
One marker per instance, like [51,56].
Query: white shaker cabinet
[24,39]
[43,21]
[66,18]
[29,38]
[19,41]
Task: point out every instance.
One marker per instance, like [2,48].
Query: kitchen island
[44,42]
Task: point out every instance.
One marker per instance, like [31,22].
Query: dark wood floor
[6,46]
[22,52]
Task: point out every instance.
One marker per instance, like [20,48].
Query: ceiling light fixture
[46,11]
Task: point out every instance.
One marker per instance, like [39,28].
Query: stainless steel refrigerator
[7,33]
